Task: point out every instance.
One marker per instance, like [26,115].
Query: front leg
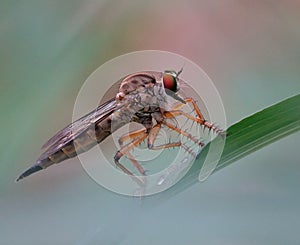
[199,119]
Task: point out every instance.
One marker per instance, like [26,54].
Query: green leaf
[247,136]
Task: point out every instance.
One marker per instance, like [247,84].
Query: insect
[141,97]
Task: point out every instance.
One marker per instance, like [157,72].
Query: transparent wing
[69,133]
[73,130]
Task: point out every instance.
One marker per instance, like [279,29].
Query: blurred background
[250,49]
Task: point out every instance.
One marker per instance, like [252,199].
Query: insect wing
[73,130]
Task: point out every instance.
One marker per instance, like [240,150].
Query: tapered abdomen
[83,142]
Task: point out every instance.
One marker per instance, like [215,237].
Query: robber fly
[142,97]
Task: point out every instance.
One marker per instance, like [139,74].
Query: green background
[250,49]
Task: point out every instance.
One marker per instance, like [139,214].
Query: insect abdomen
[81,143]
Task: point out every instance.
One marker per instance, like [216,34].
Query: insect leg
[172,114]
[184,133]
[130,135]
[153,136]
[133,135]
[125,150]
[175,144]
[199,119]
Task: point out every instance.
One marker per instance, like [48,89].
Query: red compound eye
[170,82]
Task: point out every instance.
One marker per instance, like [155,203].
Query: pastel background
[250,49]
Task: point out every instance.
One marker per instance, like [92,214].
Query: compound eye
[170,82]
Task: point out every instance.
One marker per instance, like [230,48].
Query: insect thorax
[140,104]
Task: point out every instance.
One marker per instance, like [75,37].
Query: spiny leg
[125,150]
[201,120]
[153,136]
[175,144]
[172,168]
[130,136]
[184,133]
[138,136]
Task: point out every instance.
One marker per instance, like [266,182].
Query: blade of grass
[245,137]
